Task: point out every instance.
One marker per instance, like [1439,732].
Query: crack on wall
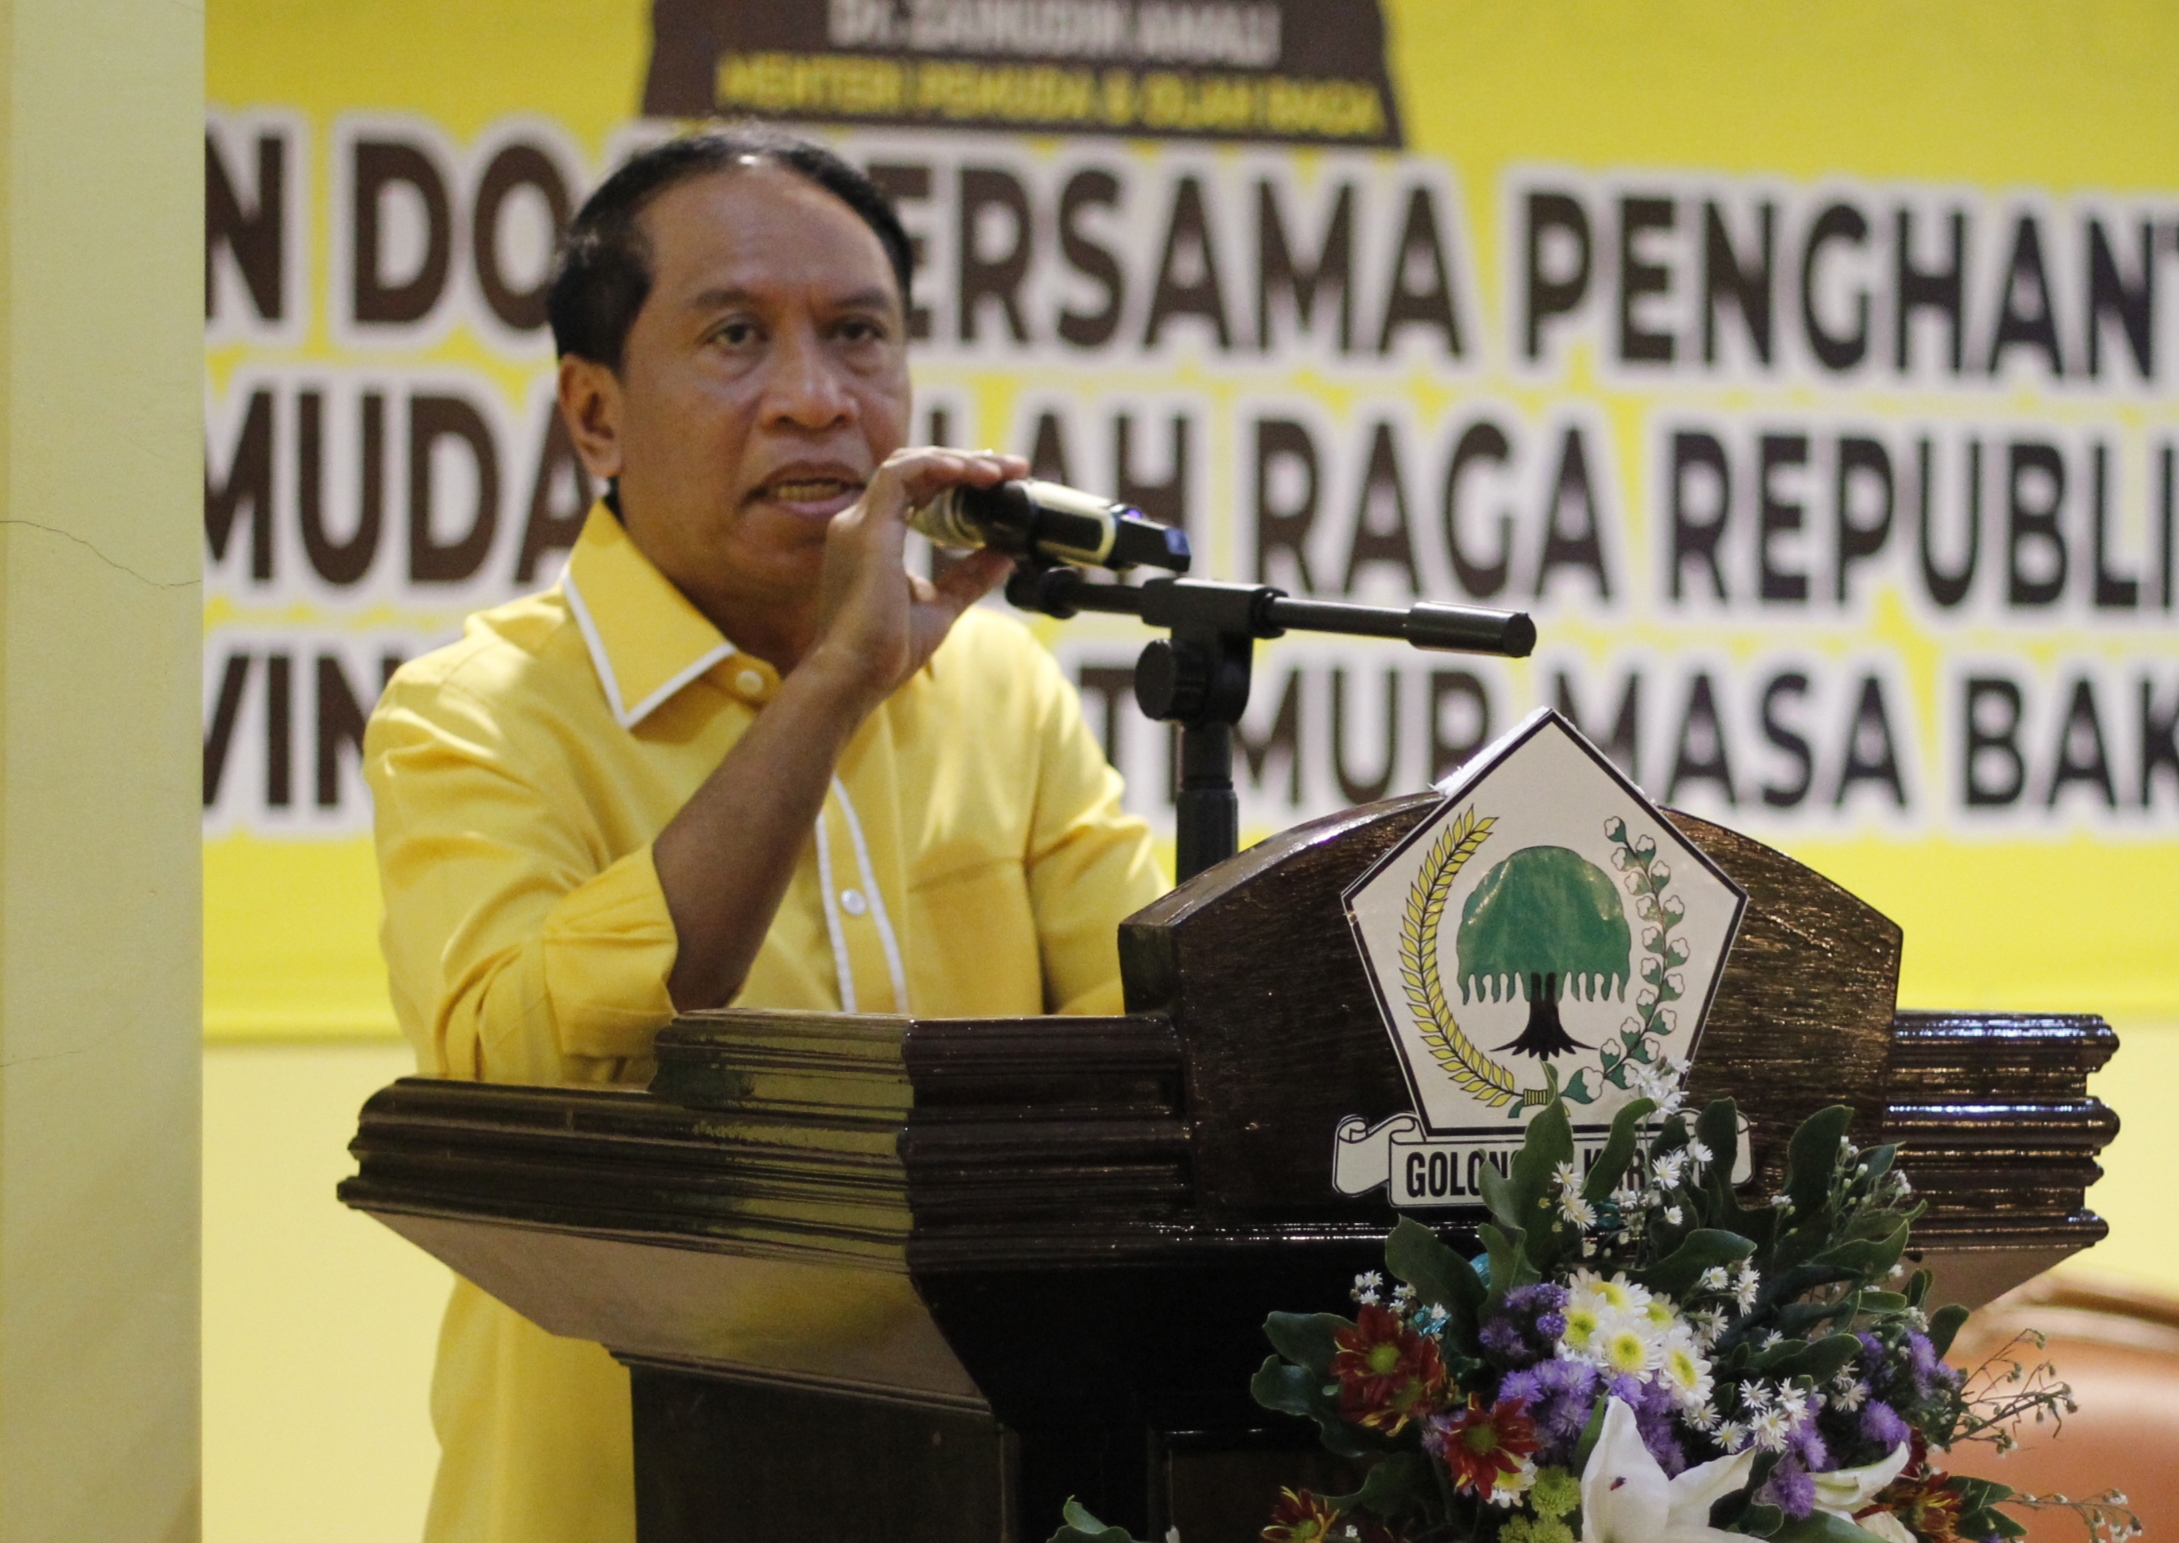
[118,567]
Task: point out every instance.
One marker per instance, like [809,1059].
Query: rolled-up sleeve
[520,947]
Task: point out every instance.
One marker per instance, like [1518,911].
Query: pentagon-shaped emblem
[1546,930]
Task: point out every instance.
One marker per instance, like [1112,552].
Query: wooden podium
[900,1279]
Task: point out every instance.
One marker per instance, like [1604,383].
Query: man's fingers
[963,585]
[970,579]
[926,472]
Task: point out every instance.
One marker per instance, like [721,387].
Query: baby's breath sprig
[2108,1515]
[2009,1388]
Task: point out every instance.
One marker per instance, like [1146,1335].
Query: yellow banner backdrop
[1807,374]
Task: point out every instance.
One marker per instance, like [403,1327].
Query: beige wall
[319,1323]
[101,386]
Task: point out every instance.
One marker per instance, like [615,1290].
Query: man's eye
[736,334]
[862,330]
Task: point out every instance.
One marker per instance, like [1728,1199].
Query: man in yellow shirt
[737,754]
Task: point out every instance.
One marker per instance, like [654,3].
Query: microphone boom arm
[1199,678]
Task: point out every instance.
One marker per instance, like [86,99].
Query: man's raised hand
[877,623]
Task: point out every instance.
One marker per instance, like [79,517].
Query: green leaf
[1978,1494]
[1820,1360]
[1866,1259]
[1394,1485]
[1768,1361]
[1702,1249]
[1813,1156]
[1800,1320]
[1881,1302]
[1287,1389]
[1786,1284]
[1944,1323]
[1081,1527]
[1508,1264]
[1500,1197]
[1591,1433]
[1306,1339]
[1823,1527]
[1440,1277]
[1550,1142]
[1719,1127]
[1875,1223]
[1611,1163]
[1761,1521]
[1293,1390]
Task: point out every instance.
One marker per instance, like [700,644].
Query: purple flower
[1524,1385]
[1662,1440]
[1524,1333]
[1922,1363]
[1654,1412]
[1540,1298]
[1569,1415]
[1881,1424]
[1502,1338]
[1790,1489]
[1560,1397]
[1807,1444]
[1568,1376]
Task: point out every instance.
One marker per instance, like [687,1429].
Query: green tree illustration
[1546,922]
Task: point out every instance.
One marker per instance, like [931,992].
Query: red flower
[1924,1498]
[1301,1516]
[1388,1374]
[1478,1445]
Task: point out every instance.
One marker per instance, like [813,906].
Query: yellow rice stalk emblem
[1472,1069]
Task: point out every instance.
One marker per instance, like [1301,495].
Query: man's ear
[590,406]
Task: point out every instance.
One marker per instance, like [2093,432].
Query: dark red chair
[2117,1345]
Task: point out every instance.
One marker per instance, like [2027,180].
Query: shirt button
[852,902]
[749,683]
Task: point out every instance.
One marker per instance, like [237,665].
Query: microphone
[1047,523]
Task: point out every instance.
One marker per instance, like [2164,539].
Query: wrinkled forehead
[757,227]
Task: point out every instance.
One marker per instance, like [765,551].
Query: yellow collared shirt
[971,859]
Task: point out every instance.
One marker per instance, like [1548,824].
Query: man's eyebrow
[720,299]
[874,298]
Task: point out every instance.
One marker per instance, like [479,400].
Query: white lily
[1626,1498]
[1844,1491]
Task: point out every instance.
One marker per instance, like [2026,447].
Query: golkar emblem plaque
[1546,930]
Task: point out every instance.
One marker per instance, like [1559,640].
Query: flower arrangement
[1641,1356]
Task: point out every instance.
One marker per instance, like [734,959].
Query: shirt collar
[645,638]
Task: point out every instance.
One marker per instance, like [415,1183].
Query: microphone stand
[1199,677]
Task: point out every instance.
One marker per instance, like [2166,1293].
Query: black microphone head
[1138,542]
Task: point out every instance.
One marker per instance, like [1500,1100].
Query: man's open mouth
[808,490]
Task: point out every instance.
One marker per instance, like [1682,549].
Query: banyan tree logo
[1546,931]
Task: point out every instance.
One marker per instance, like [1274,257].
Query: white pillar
[101,390]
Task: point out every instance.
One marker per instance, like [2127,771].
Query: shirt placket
[859,922]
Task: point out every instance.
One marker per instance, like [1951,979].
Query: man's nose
[804,386]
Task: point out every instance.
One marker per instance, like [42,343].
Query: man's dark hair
[602,273]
